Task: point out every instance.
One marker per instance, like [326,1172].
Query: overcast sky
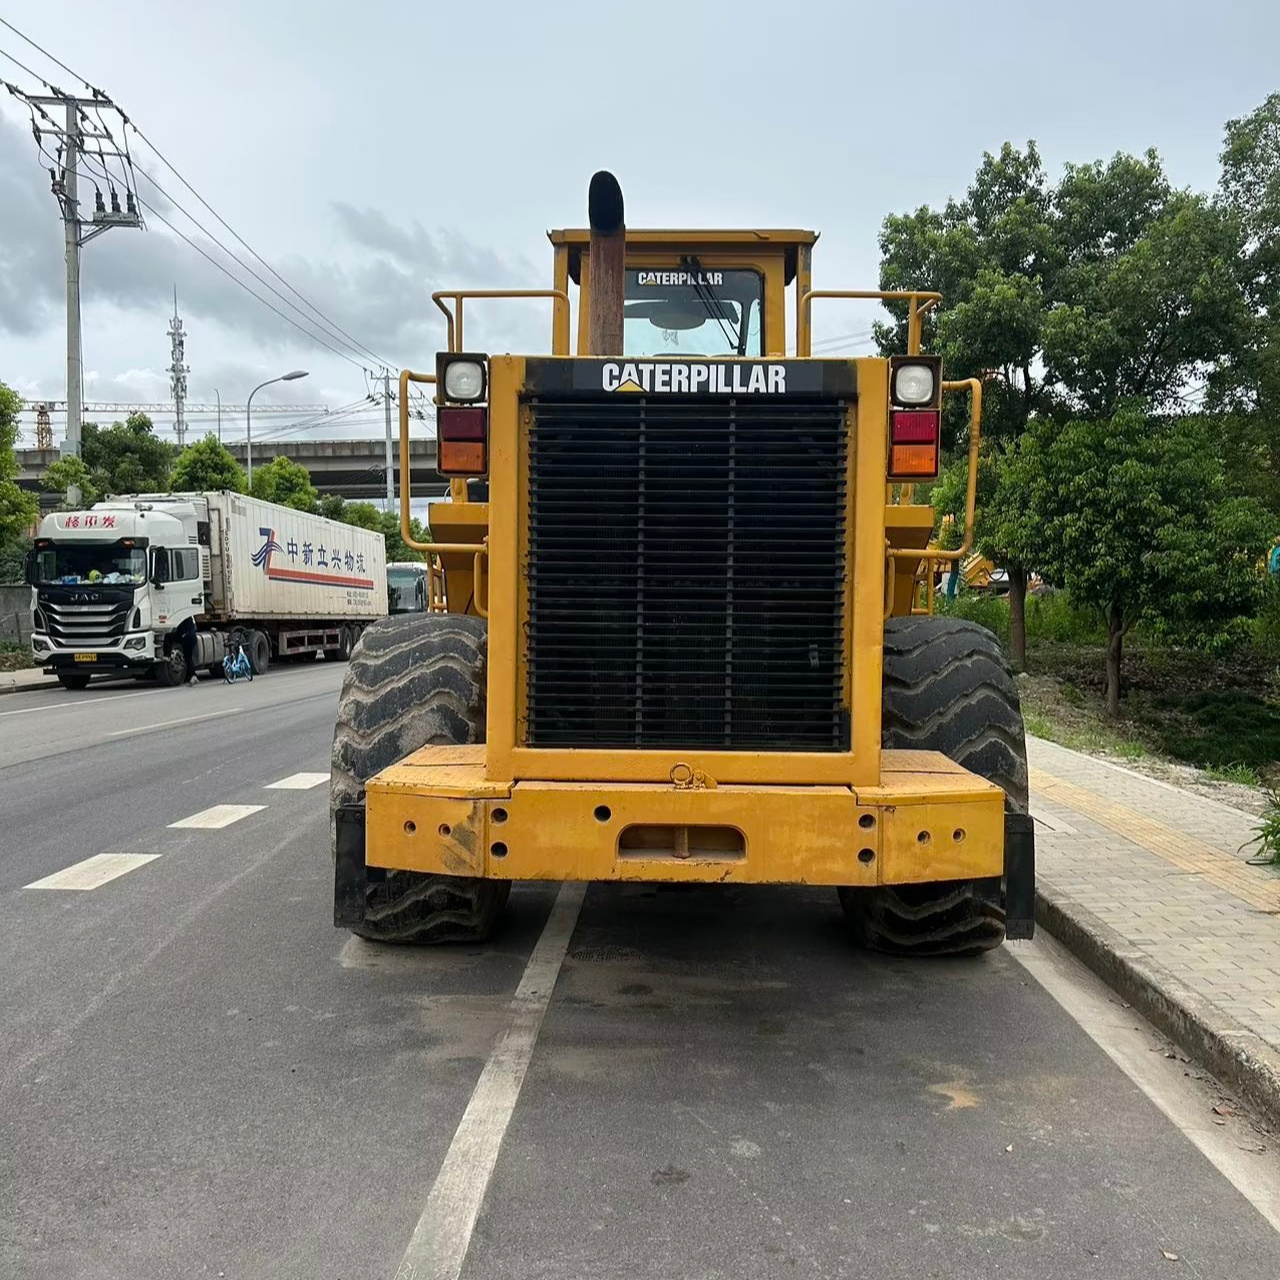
[374,152]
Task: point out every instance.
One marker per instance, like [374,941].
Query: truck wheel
[346,643]
[259,650]
[414,680]
[948,688]
[172,668]
[73,680]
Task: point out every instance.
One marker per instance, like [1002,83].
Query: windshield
[692,311]
[405,591]
[80,562]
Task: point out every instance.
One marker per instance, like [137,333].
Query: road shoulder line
[438,1246]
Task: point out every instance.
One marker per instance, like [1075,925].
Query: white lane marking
[220,815]
[297,782]
[166,724]
[1051,822]
[1127,1039]
[94,872]
[108,696]
[440,1241]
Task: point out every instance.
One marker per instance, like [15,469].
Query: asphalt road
[199,1076]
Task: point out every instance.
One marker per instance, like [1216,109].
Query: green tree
[366,516]
[1149,295]
[127,457]
[206,466]
[66,472]
[18,509]
[994,256]
[285,482]
[1135,517]
[332,506]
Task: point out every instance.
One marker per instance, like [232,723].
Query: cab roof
[659,240]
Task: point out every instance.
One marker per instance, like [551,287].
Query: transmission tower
[80,137]
[178,373]
[44,428]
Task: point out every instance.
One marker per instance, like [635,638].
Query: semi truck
[135,585]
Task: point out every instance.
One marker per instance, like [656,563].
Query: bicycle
[236,666]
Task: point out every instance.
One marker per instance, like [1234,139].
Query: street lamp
[248,427]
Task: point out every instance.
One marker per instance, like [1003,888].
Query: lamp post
[248,421]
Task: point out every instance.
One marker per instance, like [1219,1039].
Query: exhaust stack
[606,258]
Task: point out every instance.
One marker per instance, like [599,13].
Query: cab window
[691,310]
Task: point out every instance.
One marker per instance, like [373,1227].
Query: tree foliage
[1135,517]
[365,515]
[285,482]
[18,509]
[127,457]
[206,466]
[64,473]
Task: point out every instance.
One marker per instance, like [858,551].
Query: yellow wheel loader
[679,618]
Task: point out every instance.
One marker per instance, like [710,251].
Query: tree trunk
[1115,653]
[1018,616]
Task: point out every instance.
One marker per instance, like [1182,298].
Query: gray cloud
[376,284]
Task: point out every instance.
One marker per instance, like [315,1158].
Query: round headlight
[463,380]
[913,384]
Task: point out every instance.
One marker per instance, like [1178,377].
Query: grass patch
[15,657]
[1266,837]
[1241,773]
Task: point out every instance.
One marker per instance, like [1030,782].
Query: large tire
[259,651]
[73,680]
[948,688]
[413,681]
[172,668]
[346,643]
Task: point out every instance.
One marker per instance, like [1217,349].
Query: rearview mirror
[29,575]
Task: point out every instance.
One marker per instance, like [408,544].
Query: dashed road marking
[298,782]
[168,724]
[440,1241]
[101,700]
[94,872]
[220,815]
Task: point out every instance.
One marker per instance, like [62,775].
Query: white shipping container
[274,562]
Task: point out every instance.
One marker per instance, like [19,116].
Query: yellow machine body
[509,810]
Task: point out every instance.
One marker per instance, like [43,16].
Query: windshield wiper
[715,308]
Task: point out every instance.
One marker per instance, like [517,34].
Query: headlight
[136,642]
[464,380]
[913,384]
[39,646]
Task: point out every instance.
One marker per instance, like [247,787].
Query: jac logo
[84,597]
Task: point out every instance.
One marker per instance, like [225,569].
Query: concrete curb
[1237,1056]
[10,686]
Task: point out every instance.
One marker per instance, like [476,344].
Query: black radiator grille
[686,571]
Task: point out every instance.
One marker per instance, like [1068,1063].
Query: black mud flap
[348,866]
[1019,875]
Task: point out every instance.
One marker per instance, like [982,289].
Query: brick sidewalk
[1162,870]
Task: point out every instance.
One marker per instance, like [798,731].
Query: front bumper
[104,661]
[927,820]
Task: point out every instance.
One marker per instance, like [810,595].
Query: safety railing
[920,302]
[433,550]
[453,318]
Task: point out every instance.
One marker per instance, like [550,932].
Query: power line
[23,65]
[266,284]
[57,62]
[356,345]
[230,276]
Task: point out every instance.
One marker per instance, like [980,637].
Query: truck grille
[686,574]
[86,625]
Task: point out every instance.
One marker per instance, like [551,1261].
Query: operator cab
[704,294]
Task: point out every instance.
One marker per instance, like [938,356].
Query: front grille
[686,573]
[86,625]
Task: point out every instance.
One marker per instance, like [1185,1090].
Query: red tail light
[463,437]
[914,444]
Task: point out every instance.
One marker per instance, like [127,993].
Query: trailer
[166,585]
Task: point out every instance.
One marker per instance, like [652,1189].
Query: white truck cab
[134,585]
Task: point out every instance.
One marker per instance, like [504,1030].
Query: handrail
[971,488]
[406,484]
[453,329]
[927,297]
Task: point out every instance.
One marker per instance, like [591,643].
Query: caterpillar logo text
[670,377]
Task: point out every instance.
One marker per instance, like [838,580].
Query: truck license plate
[86,657]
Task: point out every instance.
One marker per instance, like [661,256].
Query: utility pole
[218,393]
[77,231]
[178,375]
[391,465]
